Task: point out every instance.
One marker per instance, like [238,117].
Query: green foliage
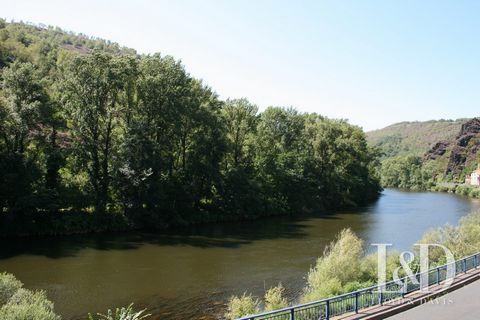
[94,117]
[242,306]
[339,265]
[344,268]
[468,191]
[406,172]
[413,138]
[430,155]
[94,138]
[463,239]
[8,286]
[274,298]
[124,313]
[17,303]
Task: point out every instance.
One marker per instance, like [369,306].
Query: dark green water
[190,274]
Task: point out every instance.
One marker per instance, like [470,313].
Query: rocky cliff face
[438,150]
[464,148]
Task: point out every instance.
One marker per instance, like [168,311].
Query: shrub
[462,240]
[274,299]
[242,306]
[17,303]
[124,313]
[26,304]
[339,265]
[8,286]
[344,267]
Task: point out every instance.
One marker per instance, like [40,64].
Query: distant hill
[428,155]
[414,138]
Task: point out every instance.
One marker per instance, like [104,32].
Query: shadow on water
[224,235]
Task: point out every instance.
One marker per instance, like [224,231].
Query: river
[189,274]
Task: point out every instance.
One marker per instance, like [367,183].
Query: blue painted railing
[352,302]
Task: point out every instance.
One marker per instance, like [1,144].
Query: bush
[17,303]
[274,299]
[339,265]
[124,313]
[242,306]
[8,286]
[26,304]
[462,240]
[344,267]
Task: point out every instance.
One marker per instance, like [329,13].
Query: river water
[189,274]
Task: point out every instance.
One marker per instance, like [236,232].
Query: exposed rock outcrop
[437,150]
[464,148]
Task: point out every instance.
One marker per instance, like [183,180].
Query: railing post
[292,314]
[356,302]
[475,261]
[465,265]
[380,298]
[438,275]
[327,309]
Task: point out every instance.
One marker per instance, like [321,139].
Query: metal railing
[352,302]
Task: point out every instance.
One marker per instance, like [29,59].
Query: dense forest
[97,137]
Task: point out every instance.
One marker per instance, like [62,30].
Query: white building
[475,178]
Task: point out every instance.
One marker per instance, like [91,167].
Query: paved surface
[463,303]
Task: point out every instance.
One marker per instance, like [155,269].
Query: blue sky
[372,62]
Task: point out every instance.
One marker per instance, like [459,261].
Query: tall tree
[21,107]
[240,118]
[92,88]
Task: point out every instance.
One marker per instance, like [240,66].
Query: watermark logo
[422,277]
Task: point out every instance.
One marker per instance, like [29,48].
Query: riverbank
[359,269]
[190,272]
[460,189]
[72,222]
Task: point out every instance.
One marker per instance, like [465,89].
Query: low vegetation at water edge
[18,303]
[124,313]
[345,267]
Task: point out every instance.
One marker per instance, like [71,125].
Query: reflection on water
[190,273]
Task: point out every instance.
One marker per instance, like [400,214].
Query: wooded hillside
[95,137]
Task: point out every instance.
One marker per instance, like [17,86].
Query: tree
[280,156]
[88,126]
[92,89]
[21,108]
[240,117]
[24,98]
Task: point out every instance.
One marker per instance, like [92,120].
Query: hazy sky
[372,62]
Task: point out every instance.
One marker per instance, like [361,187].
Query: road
[462,304]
